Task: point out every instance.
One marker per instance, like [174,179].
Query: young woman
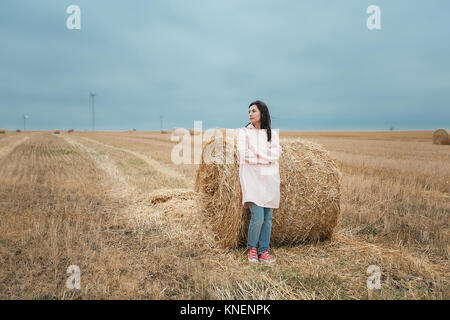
[259,151]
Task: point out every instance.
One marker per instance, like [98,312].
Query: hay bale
[309,195]
[56,131]
[216,133]
[2,131]
[179,132]
[164,195]
[70,131]
[18,130]
[441,137]
[164,131]
[194,132]
[221,131]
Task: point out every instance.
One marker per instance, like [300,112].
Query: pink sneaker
[265,257]
[252,255]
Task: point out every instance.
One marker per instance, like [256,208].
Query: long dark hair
[265,117]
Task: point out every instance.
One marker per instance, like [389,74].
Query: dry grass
[8,144]
[113,204]
[396,192]
[153,146]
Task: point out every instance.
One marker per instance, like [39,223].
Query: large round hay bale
[221,132]
[216,133]
[70,130]
[309,193]
[441,136]
[164,131]
[2,131]
[56,131]
[18,130]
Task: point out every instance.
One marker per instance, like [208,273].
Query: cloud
[314,63]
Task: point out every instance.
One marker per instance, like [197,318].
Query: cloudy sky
[314,63]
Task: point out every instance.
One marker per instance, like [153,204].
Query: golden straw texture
[309,193]
[441,136]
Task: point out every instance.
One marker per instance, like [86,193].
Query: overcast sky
[314,63]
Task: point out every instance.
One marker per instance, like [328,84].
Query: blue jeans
[259,228]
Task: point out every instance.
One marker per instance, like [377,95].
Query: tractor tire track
[10,147]
[150,161]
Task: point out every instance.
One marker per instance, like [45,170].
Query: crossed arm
[252,155]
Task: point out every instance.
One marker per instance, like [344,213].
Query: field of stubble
[114,204]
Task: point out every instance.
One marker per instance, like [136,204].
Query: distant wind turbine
[25,117]
[92,97]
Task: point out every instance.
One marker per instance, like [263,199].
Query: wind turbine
[25,117]
[92,97]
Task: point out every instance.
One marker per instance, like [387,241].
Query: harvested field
[115,204]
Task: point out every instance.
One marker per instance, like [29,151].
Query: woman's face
[254,115]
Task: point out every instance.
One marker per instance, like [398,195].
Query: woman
[259,151]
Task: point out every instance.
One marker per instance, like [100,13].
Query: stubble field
[114,204]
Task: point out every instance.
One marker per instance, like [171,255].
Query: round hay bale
[164,131]
[70,131]
[18,130]
[309,193]
[179,132]
[441,137]
[2,131]
[220,131]
[217,133]
[56,131]
[194,132]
